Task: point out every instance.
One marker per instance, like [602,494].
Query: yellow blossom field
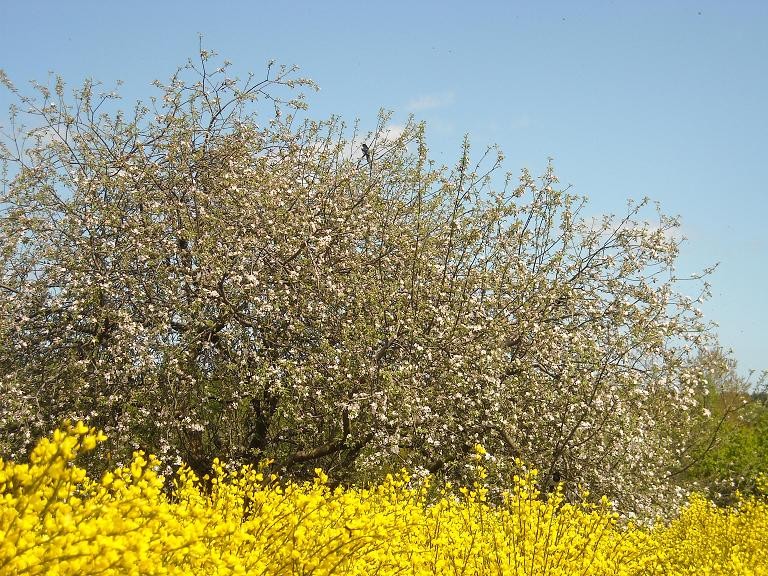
[55,520]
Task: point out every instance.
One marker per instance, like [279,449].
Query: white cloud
[387,136]
[521,122]
[392,133]
[430,101]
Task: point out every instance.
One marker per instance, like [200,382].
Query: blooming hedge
[54,519]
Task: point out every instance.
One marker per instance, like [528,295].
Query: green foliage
[744,448]
[733,453]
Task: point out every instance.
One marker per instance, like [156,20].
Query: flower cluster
[55,520]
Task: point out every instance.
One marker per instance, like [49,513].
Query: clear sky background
[631,99]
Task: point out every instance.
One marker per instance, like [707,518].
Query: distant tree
[733,451]
[204,277]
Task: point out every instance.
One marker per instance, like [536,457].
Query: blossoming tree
[212,275]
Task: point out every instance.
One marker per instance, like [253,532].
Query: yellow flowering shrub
[56,520]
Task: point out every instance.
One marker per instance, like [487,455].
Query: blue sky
[661,99]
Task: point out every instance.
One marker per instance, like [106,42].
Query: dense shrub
[55,520]
[733,454]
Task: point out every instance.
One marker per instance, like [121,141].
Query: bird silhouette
[367,154]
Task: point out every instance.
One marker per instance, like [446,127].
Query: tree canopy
[733,454]
[215,275]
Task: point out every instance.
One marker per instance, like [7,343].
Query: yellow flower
[55,520]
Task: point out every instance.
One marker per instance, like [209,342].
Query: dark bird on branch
[367,154]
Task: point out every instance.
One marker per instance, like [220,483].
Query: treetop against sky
[631,100]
